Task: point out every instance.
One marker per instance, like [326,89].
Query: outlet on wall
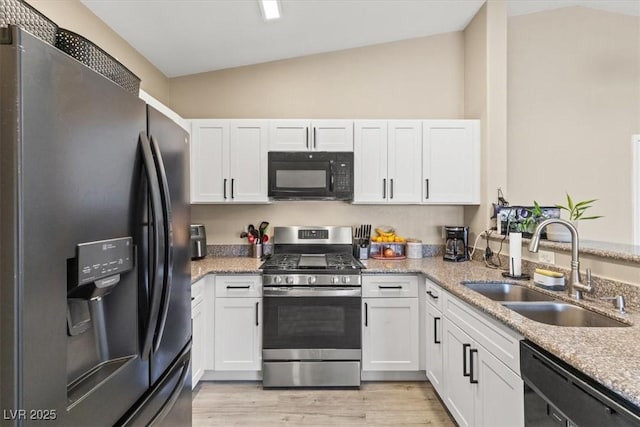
[546,257]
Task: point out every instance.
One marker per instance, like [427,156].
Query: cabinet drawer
[197,292]
[497,338]
[435,294]
[389,286]
[238,286]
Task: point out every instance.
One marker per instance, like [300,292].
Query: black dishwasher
[556,394]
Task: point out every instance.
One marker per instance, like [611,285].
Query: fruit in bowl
[388,252]
[386,234]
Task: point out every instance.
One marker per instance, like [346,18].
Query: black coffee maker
[456,243]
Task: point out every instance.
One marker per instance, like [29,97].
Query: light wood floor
[376,403]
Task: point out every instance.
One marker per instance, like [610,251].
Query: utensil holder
[256,251]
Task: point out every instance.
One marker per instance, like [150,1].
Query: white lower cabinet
[199,339]
[238,323]
[435,348]
[197,348]
[480,382]
[390,337]
[238,334]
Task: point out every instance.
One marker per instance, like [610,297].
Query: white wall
[574,102]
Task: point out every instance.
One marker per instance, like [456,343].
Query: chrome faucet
[575,287]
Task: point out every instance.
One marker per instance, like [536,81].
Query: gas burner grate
[341,261]
[283,261]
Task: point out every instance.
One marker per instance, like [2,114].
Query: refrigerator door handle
[168,242]
[156,212]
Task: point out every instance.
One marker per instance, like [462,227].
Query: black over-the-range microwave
[304,175]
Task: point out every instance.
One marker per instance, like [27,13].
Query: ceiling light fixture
[270,9]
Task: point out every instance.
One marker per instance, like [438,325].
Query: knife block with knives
[361,241]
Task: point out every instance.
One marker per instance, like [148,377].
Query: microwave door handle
[331,180]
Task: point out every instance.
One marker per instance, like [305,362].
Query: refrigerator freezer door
[168,402]
[69,169]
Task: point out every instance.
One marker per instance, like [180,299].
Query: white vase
[559,233]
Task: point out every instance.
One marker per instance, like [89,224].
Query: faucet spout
[575,287]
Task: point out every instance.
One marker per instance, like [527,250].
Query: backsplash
[224,223]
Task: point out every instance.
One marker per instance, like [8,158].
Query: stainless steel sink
[498,291]
[562,314]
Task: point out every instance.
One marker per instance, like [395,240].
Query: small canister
[414,249]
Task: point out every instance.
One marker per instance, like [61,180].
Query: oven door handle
[311,292]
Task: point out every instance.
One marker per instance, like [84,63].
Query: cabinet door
[332,135]
[404,166]
[390,334]
[197,349]
[370,161]
[238,334]
[289,135]
[451,161]
[209,160]
[248,146]
[499,392]
[435,349]
[459,394]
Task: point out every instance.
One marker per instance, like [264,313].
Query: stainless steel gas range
[311,309]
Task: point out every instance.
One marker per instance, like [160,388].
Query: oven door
[296,175]
[302,323]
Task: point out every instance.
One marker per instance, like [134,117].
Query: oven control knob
[335,280]
[346,279]
[311,280]
[289,280]
[277,280]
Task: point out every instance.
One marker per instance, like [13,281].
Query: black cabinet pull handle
[432,295]
[391,190]
[257,317]
[426,181]
[471,353]
[314,138]
[435,330]
[366,314]
[464,360]
[224,188]
[306,130]
[238,287]
[232,181]
[384,188]
[390,287]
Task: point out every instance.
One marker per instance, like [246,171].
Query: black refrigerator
[95,306]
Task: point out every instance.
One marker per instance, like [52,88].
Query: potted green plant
[576,211]
[536,216]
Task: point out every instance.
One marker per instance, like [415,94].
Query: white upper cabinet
[404,168]
[387,161]
[248,160]
[451,162]
[370,161]
[311,135]
[209,160]
[229,161]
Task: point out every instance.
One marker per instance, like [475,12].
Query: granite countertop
[609,355]
[217,265]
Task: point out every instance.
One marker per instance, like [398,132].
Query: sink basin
[562,314]
[507,291]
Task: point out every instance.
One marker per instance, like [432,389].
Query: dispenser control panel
[104,258]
